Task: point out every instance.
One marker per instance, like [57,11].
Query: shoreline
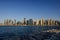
[30,25]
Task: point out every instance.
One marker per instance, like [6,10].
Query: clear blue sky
[19,9]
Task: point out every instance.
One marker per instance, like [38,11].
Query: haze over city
[36,9]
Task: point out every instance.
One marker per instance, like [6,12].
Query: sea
[28,33]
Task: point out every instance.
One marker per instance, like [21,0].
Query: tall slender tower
[42,22]
[24,21]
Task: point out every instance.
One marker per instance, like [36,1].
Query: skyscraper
[53,22]
[24,21]
[30,22]
[14,23]
[42,22]
[34,23]
[49,22]
[37,22]
[8,22]
[27,22]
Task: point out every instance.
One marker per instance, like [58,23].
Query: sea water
[9,31]
[26,29]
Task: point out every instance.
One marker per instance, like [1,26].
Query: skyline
[30,22]
[18,9]
[2,21]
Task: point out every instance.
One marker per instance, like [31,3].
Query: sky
[35,9]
